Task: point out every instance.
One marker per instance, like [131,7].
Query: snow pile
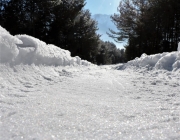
[164,61]
[29,50]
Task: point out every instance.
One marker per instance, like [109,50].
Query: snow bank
[29,50]
[165,61]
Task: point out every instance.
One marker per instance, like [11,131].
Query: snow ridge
[24,49]
[165,61]
[29,50]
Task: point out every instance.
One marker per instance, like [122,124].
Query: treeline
[149,26]
[64,23]
[109,54]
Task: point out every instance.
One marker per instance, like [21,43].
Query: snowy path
[88,103]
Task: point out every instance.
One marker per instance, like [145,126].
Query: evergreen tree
[64,23]
[13,16]
[85,38]
[150,26]
[73,29]
[63,18]
[30,17]
[2,10]
[109,54]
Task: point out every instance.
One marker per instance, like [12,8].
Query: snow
[164,61]
[8,48]
[178,46]
[42,98]
[29,50]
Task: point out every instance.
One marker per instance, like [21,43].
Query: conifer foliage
[149,26]
[64,23]
[109,54]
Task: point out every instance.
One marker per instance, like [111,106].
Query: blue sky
[108,7]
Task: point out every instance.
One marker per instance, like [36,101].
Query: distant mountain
[104,24]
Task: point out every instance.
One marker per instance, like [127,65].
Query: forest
[148,26]
[64,23]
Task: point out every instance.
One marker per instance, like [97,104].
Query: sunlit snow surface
[77,100]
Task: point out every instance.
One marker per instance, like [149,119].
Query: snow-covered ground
[47,94]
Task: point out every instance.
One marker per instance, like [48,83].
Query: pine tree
[74,30]
[30,17]
[2,10]
[64,23]
[150,26]
[63,17]
[85,36]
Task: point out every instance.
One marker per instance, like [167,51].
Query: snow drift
[24,49]
[166,61]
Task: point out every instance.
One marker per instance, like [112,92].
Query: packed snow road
[88,102]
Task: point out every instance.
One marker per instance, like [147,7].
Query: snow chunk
[8,48]
[167,61]
[29,41]
[176,65]
[178,49]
